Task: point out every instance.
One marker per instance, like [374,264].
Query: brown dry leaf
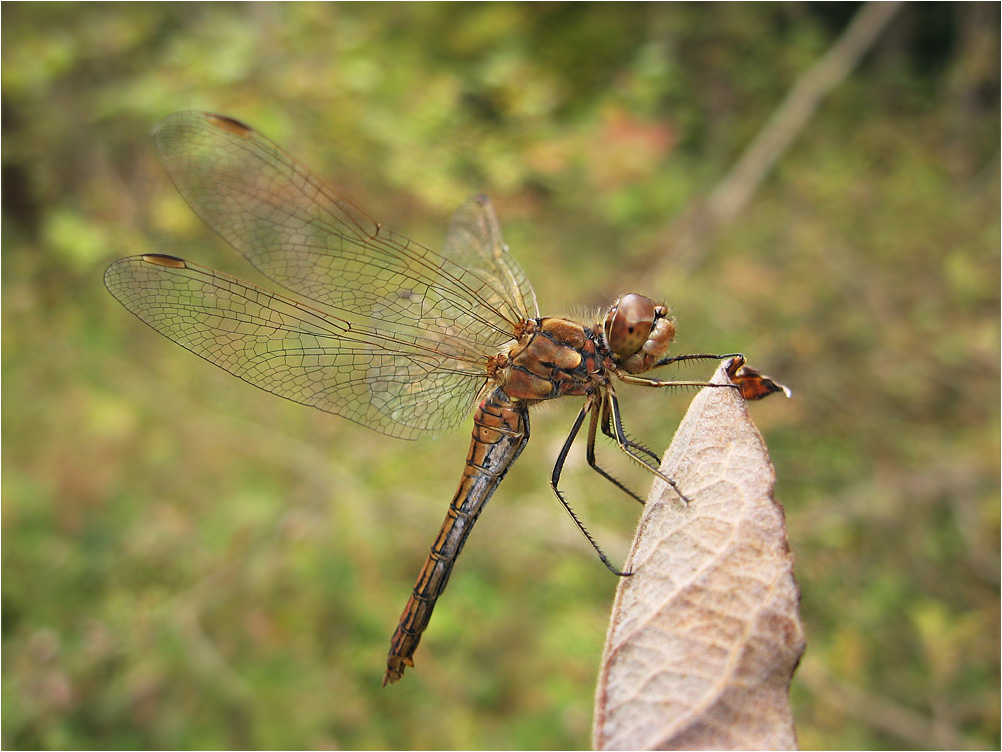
[706,634]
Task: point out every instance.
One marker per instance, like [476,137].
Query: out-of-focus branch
[733,192]
[881,713]
[686,238]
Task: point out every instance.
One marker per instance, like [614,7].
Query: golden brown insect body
[386,332]
[551,357]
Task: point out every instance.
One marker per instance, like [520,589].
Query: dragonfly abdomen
[500,432]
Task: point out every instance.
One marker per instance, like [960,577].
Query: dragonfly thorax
[638,332]
[553,357]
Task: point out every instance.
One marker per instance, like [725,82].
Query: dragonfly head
[638,332]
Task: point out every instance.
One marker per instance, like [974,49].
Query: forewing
[297,231]
[390,379]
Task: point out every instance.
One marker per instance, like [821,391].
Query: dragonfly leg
[555,481]
[647,381]
[695,356]
[590,454]
[607,430]
[631,452]
[644,381]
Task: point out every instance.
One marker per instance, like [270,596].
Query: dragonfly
[385,332]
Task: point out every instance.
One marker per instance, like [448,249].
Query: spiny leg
[695,356]
[623,443]
[628,378]
[647,381]
[612,421]
[590,454]
[607,430]
[555,480]
[621,437]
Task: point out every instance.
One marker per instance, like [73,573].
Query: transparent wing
[297,231]
[396,380]
[474,242]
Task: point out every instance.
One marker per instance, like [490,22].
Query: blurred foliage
[192,563]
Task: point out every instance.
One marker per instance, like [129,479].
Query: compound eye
[628,324]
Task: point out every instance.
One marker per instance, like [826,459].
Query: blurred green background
[190,562]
